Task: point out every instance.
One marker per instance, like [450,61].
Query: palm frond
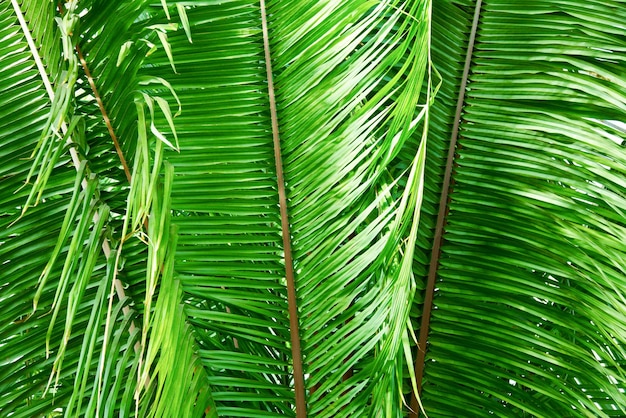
[229,255]
[155,238]
[25,373]
[529,308]
[104,371]
[349,221]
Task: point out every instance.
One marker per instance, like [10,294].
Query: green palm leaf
[529,302]
[104,372]
[229,258]
[230,206]
[225,200]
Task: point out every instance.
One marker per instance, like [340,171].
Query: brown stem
[96,94]
[105,115]
[441,220]
[298,373]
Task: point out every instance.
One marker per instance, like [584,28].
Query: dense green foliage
[142,261]
[529,317]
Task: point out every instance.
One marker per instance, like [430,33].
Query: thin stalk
[105,115]
[446,189]
[298,374]
[96,95]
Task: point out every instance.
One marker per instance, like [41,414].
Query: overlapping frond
[228,257]
[25,246]
[348,82]
[153,249]
[57,78]
[530,304]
